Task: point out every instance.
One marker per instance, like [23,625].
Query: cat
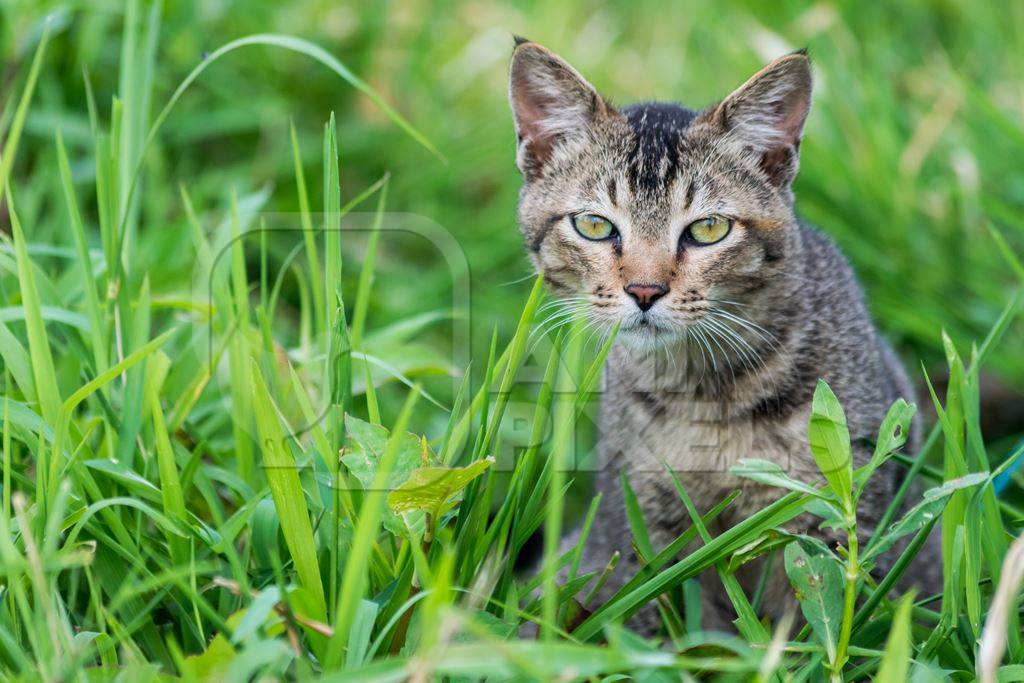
[678,226]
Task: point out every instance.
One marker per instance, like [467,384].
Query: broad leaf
[772,474]
[367,446]
[817,577]
[830,442]
[891,436]
[831,516]
[430,488]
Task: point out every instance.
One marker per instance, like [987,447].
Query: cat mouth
[645,322]
[644,331]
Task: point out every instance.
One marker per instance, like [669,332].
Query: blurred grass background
[911,161]
[913,148]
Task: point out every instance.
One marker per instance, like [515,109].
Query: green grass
[237,441]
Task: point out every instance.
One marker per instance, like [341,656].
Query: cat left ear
[766,115]
[551,103]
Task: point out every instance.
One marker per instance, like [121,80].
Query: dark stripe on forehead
[655,155]
[690,189]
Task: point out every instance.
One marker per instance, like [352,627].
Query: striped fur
[723,366]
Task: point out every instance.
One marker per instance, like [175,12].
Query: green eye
[708,230]
[593,227]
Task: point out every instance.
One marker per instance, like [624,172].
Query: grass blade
[10,149]
[366,273]
[354,580]
[43,372]
[286,488]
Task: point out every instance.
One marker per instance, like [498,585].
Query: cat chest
[700,443]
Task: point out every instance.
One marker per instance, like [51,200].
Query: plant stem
[402,629]
[849,598]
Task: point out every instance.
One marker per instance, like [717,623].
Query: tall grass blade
[43,373]
[362,301]
[10,148]
[308,234]
[354,579]
[92,300]
[898,650]
[282,475]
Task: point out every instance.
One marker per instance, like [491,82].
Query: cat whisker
[748,354]
[702,338]
[750,325]
[559,317]
[528,276]
[564,306]
[716,335]
[557,303]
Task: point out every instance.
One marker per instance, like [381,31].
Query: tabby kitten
[678,226]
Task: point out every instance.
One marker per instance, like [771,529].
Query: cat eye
[708,230]
[593,227]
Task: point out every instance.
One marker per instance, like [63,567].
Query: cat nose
[645,294]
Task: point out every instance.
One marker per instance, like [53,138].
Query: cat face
[656,218]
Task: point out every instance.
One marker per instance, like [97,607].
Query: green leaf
[831,516]
[357,564]
[934,501]
[170,485]
[362,302]
[492,624]
[286,489]
[772,474]
[213,663]
[308,234]
[259,610]
[953,485]
[310,50]
[891,436]
[368,442]
[830,442]
[747,622]
[430,488]
[25,424]
[817,577]
[21,113]
[767,542]
[265,529]
[896,661]
[43,372]
[635,515]
[17,359]
[359,636]
[92,302]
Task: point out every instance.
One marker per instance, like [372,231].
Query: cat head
[655,217]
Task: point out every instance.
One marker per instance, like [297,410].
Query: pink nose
[645,294]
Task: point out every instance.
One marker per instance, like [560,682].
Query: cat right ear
[551,104]
[766,115]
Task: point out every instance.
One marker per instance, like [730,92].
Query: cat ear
[551,103]
[766,115]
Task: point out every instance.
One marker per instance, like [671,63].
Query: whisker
[750,325]
[528,276]
[555,319]
[699,330]
[716,336]
[727,335]
[757,363]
